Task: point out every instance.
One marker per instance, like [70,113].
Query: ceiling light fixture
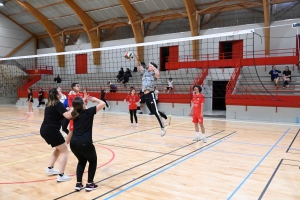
[2,3]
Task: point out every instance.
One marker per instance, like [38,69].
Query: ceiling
[105,14]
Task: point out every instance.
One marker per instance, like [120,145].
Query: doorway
[168,54]
[81,64]
[219,93]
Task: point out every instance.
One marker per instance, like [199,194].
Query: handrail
[233,79]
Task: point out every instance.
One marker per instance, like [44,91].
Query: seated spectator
[286,77]
[170,85]
[120,75]
[112,87]
[127,74]
[274,75]
[57,79]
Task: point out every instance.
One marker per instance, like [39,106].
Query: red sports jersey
[197,100]
[71,97]
[132,99]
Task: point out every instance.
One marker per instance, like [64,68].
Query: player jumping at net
[149,73]
[132,99]
[197,112]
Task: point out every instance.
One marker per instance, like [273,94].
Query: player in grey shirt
[149,73]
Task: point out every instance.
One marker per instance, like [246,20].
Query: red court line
[34,181]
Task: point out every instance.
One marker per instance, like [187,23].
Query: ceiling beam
[19,47]
[88,24]
[50,27]
[266,6]
[8,17]
[210,7]
[137,28]
[281,1]
[192,10]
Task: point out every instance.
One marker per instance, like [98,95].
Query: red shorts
[71,125]
[197,119]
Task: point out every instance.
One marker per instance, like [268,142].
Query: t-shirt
[132,99]
[83,126]
[73,96]
[63,98]
[41,94]
[30,97]
[53,116]
[197,100]
[275,74]
[287,73]
[148,80]
[170,83]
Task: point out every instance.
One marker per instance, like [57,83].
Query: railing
[39,69]
[233,79]
[200,77]
[13,62]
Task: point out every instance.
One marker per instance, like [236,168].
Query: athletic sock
[61,175]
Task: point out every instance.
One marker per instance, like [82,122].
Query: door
[81,64]
[219,92]
[168,54]
[237,49]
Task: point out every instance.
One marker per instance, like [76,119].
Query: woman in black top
[274,75]
[41,96]
[30,101]
[103,92]
[82,143]
[50,131]
[287,77]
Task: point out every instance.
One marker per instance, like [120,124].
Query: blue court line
[241,154]
[253,144]
[174,164]
[233,193]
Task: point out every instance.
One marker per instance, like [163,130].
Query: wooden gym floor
[241,160]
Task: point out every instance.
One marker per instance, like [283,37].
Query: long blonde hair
[52,97]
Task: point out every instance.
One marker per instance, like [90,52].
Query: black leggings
[85,153]
[133,113]
[152,106]
[64,125]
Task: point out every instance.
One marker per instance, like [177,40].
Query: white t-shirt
[63,98]
[170,83]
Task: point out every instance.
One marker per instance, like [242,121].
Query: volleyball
[128,55]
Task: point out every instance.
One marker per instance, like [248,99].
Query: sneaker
[163,132]
[52,171]
[63,178]
[197,139]
[131,124]
[169,119]
[79,186]
[136,124]
[90,187]
[151,114]
[204,139]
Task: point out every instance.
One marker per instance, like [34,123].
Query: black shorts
[169,88]
[54,138]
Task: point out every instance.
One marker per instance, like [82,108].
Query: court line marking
[246,178]
[126,170]
[174,161]
[292,141]
[179,160]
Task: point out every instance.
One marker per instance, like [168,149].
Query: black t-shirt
[30,96]
[287,73]
[83,126]
[53,116]
[41,96]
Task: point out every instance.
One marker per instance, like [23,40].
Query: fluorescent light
[1,4]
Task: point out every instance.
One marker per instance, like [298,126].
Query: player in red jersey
[197,112]
[132,99]
[72,95]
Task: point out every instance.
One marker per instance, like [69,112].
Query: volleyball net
[224,64]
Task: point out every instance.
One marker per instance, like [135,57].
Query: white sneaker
[63,178]
[137,125]
[204,139]
[197,139]
[169,119]
[51,171]
[163,131]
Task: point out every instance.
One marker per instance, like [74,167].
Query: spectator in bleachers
[120,75]
[127,74]
[287,77]
[112,87]
[274,75]
[41,97]
[57,79]
[170,85]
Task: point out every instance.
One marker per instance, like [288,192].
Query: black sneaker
[90,187]
[79,186]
